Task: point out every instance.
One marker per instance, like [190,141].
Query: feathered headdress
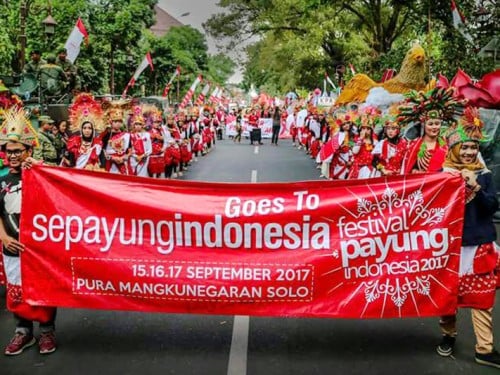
[470,128]
[16,127]
[436,103]
[86,109]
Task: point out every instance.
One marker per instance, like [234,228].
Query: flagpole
[429,40]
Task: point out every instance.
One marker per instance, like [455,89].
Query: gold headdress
[151,113]
[115,110]
[16,127]
[86,109]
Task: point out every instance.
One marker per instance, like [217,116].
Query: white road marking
[239,346]
[238,354]
[256,150]
[253,179]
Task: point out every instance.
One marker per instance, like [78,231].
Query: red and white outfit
[341,156]
[156,160]
[117,147]
[85,154]
[141,147]
[362,161]
[389,156]
[418,160]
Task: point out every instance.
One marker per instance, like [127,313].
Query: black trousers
[276,133]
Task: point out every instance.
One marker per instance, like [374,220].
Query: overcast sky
[199,11]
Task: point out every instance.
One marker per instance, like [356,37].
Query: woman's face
[63,126]
[346,126]
[391,131]
[87,130]
[468,152]
[432,127]
[137,127]
[365,132]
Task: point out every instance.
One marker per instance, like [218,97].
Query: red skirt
[156,164]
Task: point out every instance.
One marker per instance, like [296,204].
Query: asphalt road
[114,342]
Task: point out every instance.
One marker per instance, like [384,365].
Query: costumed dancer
[83,150]
[172,128]
[158,144]
[140,146]
[116,142]
[186,155]
[172,158]
[388,154]
[428,113]
[478,257]
[341,145]
[18,138]
[362,161]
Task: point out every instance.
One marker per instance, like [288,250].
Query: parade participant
[220,116]
[33,66]
[69,69]
[186,155]
[239,128]
[116,143]
[341,146]
[276,114]
[53,80]
[253,123]
[18,138]
[362,150]
[172,128]
[140,147]
[208,138]
[158,144]
[429,113]
[84,147]
[197,146]
[388,154]
[46,149]
[478,257]
[172,159]
[293,127]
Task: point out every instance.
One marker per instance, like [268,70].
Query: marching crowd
[343,142]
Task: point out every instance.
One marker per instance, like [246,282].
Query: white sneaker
[195,159]
[174,175]
[180,174]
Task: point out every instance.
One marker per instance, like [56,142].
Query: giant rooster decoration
[411,77]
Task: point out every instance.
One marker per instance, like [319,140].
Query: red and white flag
[218,98]
[144,64]
[328,79]
[190,92]
[75,39]
[213,96]
[201,98]
[351,67]
[169,84]
[459,22]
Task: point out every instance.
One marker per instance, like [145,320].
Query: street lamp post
[49,24]
[23,13]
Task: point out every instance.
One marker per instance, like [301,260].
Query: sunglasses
[16,152]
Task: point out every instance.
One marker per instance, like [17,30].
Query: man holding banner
[18,144]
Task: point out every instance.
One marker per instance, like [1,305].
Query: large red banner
[378,248]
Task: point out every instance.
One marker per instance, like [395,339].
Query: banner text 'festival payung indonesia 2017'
[356,249]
